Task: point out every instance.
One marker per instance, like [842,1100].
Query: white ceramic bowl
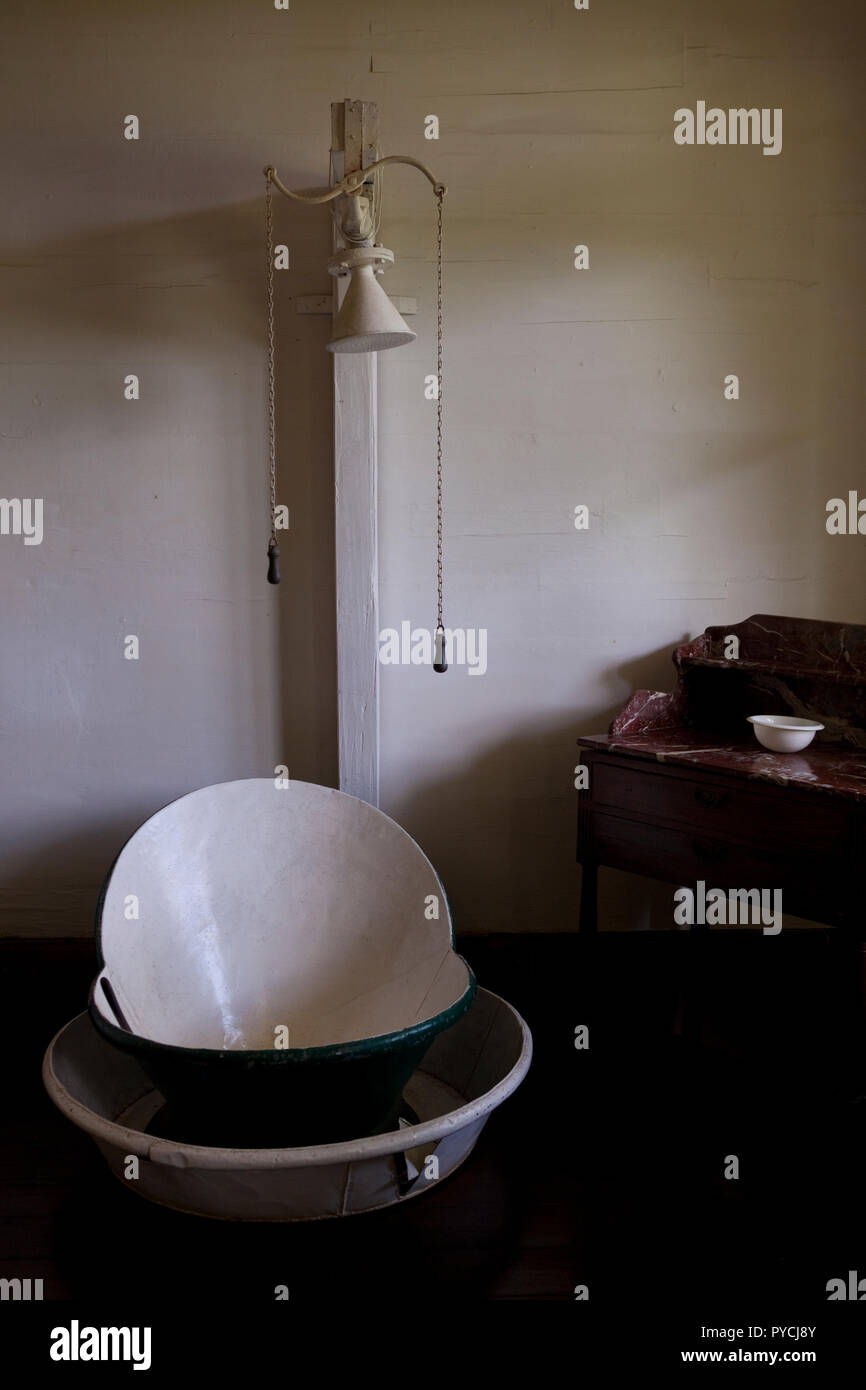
[782,733]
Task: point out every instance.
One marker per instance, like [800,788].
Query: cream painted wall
[563,387]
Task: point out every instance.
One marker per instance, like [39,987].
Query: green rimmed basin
[280,957]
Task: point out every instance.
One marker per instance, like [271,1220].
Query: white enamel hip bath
[279,956]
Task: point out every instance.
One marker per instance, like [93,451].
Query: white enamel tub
[470,1069]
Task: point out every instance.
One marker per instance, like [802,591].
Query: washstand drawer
[804,822]
[812,887]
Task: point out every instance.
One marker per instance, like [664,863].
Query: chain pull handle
[273,547]
[439,662]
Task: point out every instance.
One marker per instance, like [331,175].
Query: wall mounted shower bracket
[353,182]
[365,321]
[346,260]
[354,217]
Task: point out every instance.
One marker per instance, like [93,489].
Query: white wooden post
[354,145]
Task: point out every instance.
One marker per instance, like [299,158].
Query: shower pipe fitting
[354,181]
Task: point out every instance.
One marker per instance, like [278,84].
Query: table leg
[589,898]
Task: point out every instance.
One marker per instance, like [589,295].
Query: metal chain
[440,194]
[272,411]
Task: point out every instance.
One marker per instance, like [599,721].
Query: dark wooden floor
[606,1168]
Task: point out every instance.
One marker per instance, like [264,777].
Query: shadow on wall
[654,671]
[518,872]
[520,877]
[189,292]
[54,891]
[220,248]
[515,869]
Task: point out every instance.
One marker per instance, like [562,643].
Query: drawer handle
[713,853]
[713,800]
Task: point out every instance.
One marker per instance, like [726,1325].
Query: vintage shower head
[367,320]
